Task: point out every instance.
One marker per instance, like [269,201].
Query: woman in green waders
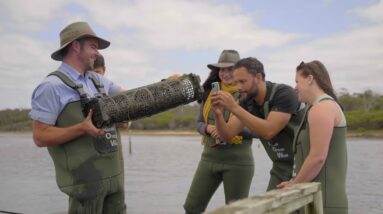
[320,141]
[230,163]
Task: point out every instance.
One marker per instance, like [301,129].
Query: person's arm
[225,130]
[48,135]
[321,123]
[200,123]
[203,128]
[265,128]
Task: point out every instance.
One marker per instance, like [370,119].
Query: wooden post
[317,205]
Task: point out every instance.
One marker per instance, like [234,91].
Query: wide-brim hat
[227,59]
[75,31]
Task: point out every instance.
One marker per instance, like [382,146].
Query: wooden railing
[307,195]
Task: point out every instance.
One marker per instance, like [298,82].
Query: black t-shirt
[285,100]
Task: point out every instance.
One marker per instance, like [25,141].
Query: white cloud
[22,58]
[190,25]
[373,13]
[143,32]
[354,59]
[28,16]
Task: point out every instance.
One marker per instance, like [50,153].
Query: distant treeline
[364,111]
[180,118]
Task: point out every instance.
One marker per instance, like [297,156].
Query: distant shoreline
[350,134]
[161,132]
[366,134]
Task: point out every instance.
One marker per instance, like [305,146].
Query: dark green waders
[230,164]
[280,148]
[333,173]
[89,169]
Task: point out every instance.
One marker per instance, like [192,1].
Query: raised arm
[265,128]
[226,130]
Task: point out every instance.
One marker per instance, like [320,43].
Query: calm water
[159,172]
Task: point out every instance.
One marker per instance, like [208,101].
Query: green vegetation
[364,113]
[180,118]
[15,120]
[360,120]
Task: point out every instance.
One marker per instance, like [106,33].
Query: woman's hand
[285,184]
[210,129]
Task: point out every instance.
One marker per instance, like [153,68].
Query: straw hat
[75,31]
[227,59]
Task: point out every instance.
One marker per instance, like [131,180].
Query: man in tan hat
[88,161]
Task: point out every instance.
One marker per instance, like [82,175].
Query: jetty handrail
[308,195]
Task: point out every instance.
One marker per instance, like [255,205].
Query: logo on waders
[107,142]
[278,150]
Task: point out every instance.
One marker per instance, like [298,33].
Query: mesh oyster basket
[144,101]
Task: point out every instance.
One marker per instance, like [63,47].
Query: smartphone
[215,86]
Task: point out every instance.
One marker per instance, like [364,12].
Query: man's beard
[88,65]
[253,92]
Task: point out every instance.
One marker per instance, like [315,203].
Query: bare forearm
[255,124]
[310,169]
[224,131]
[50,135]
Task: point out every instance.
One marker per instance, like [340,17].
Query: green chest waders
[230,164]
[333,173]
[84,162]
[280,148]
[239,154]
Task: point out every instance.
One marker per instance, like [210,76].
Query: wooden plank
[278,201]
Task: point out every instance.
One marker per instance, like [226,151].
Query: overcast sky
[152,39]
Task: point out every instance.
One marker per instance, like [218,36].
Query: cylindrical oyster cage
[145,101]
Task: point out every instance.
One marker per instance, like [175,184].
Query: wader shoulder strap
[299,128]
[97,83]
[78,87]
[266,106]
